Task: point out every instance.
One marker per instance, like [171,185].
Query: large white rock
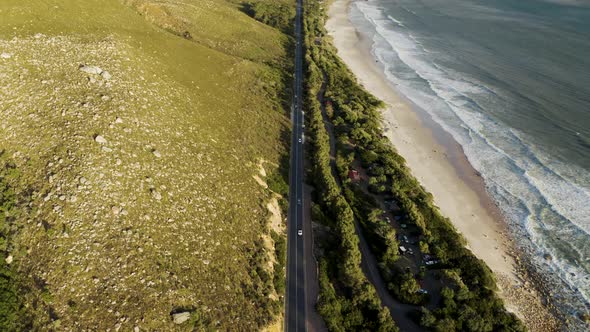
[100,140]
[181,317]
[156,195]
[91,69]
[106,75]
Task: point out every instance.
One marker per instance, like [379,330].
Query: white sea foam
[541,196]
[396,21]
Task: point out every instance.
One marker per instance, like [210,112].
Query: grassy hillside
[131,135]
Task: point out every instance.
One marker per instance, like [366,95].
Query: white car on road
[300,232]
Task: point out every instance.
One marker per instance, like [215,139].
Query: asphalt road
[295,304]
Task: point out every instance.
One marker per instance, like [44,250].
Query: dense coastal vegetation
[143,146]
[347,300]
[464,285]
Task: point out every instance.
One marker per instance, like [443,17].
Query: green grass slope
[131,193]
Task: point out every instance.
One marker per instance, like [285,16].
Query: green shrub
[354,305]
[10,312]
[278,14]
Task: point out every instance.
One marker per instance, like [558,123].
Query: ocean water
[510,81]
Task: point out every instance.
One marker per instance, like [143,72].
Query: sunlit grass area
[134,129]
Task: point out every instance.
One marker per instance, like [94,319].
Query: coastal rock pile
[536,315]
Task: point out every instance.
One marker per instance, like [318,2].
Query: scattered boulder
[9,259]
[157,154]
[100,140]
[94,70]
[547,257]
[156,194]
[106,75]
[118,120]
[181,317]
[5,55]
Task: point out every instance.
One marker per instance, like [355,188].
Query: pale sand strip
[441,167]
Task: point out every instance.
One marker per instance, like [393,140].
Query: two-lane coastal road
[295,317]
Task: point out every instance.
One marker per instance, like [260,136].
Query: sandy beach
[438,162]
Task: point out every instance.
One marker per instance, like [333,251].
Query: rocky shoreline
[532,298]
